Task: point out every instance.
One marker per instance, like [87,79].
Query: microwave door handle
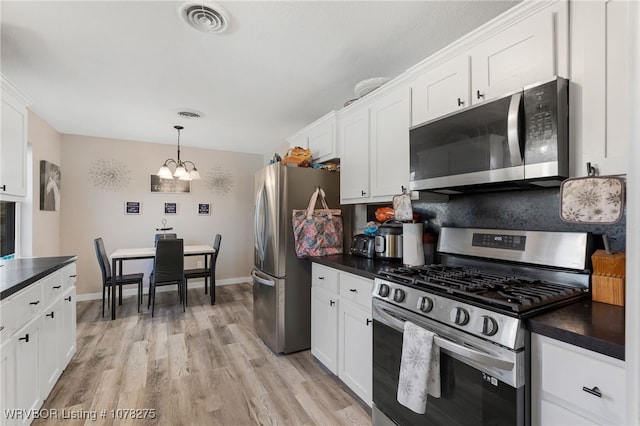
[513,129]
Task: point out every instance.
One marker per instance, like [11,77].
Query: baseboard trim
[132,291]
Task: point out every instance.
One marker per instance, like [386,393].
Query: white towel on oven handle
[419,368]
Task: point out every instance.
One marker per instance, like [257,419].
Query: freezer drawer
[268,315]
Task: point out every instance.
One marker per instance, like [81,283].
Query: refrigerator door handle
[259,222]
[262,281]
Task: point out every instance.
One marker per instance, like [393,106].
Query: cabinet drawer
[582,369]
[6,320]
[68,276]
[324,277]
[356,289]
[52,286]
[27,304]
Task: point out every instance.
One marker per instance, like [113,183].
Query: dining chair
[120,280]
[168,269]
[163,236]
[206,273]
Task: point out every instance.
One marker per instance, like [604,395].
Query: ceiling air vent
[190,114]
[207,17]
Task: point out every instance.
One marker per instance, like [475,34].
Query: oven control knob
[488,326]
[426,304]
[398,295]
[383,290]
[459,316]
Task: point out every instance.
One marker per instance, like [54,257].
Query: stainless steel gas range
[475,302]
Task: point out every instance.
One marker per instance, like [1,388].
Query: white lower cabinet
[40,346]
[355,353]
[341,327]
[574,386]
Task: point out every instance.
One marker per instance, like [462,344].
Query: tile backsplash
[537,210]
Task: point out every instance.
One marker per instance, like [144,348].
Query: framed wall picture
[132,207]
[49,186]
[170,208]
[170,185]
[204,209]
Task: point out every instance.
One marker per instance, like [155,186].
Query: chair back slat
[169,260]
[103,259]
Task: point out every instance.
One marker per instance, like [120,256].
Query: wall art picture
[132,207]
[170,185]
[204,209]
[49,186]
[170,208]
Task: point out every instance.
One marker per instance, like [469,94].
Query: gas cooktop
[511,293]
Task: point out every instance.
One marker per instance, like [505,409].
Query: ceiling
[123,69]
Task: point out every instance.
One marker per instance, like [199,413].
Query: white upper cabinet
[600,49]
[353,132]
[13,145]
[319,137]
[390,121]
[519,55]
[441,90]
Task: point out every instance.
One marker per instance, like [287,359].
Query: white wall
[42,237]
[90,210]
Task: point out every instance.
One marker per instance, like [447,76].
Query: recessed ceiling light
[205,16]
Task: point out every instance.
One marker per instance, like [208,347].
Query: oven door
[481,383]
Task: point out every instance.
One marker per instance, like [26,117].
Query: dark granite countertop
[357,265]
[595,326]
[16,274]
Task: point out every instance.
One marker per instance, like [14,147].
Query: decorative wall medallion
[109,174]
[219,180]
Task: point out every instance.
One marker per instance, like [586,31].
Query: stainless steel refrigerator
[281,281]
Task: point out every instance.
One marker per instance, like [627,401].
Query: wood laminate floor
[203,367]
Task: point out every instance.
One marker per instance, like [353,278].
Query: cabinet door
[13,148]
[69,327]
[28,347]
[520,55]
[50,358]
[600,72]
[355,361]
[390,117]
[441,90]
[354,161]
[8,382]
[324,328]
[322,141]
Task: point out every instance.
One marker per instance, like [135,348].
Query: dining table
[120,255]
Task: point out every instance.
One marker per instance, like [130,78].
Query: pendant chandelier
[182,172]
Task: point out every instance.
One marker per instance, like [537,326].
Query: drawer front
[324,277]
[6,319]
[68,276]
[52,286]
[27,304]
[581,371]
[356,289]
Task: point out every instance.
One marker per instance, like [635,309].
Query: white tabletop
[150,252]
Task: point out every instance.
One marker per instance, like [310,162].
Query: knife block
[608,279]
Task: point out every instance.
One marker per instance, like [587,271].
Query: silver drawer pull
[594,391]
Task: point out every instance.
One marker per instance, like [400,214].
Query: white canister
[412,249]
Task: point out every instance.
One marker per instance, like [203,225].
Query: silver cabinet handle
[593,391]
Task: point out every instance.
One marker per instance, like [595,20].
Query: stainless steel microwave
[517,141]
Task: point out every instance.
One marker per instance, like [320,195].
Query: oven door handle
[469,353]
[473,354]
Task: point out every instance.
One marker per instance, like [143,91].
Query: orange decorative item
[384,213]
[298,157]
